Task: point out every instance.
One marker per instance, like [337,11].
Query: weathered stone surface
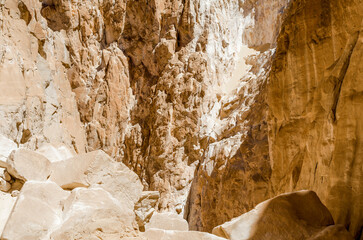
[4,185]
[25,165]
[145,207]
[315,102]
[179,92]
[37,210]
[55,153]
[159,234]
[6,147]
[36,105]
[167,221]
[335,232]
[97,169]
[297,215]
[7,203]
[94,214]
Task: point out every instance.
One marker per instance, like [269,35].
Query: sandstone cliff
[218,105]
[315,106]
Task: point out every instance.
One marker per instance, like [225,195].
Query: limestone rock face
[97,169]
[6,147]
[159,234]
[145,207]
[167,221]
[94,214]
[216,105]
[7,203]
[298,215]
[37,104]
[37,210]
[26,165]
[315,104]
[55,153]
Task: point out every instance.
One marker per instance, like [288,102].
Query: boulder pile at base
[92,196]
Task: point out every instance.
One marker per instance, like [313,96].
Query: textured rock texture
[215,105]
[315,107]
[298,215]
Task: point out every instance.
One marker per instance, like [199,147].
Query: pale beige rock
[55,153]
[97,169]
[94,214]
[145,207]
[6,147]
[159,234]
[26,165]
[4,185]
[297,215]
[7,176]
[167,221]
[37,210]
[7,203]
[315,107]
[36,104]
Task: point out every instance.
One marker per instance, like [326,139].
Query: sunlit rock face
[234,173]
[315,106]
[216,105]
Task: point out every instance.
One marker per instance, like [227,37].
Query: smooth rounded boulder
[27,165]
[297,215]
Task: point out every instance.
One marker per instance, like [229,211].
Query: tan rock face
[7,203]
[95,214]
[159,234]
[146,207]
[36,104]
[298,215]
[37,210]
[26,165]
[315,106]
[97,169]
[167,221]
[180,92]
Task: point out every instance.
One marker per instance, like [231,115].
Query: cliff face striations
[216,106]
[315,106]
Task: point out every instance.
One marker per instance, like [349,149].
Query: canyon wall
[315,106]
[217,104]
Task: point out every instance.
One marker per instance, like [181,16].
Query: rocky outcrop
[298,215]
[97,169]
[36,105]
[314,99]
[159,234]
[167,221]
[215,105]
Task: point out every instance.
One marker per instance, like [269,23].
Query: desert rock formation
[149,111]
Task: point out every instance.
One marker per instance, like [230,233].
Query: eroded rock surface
[315,107]
[216,105]
[298,215]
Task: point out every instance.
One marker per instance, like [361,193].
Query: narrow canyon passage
[181,119]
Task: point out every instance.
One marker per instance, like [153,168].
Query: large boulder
[6,205]
[27,165]
[6,147]
[97,169]
[334,232]
[145,207]
[92,213]
[55,153]
[37,210]
[159,234]
[167,221]
[297,215]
